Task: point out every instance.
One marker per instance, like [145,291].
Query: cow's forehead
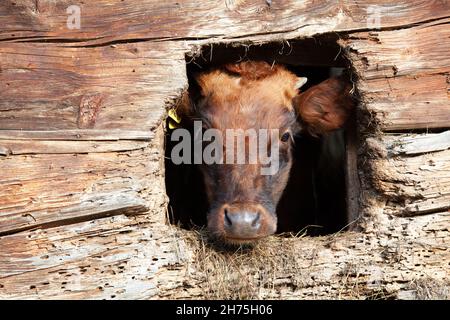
[279,85]
[233,102]
[247,111]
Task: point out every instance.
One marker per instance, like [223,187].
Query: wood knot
[88,111]
[247,7]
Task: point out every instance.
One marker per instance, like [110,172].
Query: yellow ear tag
[174,119]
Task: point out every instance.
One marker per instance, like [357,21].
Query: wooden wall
[82,203]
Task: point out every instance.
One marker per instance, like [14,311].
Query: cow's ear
[324,107]
[200,85]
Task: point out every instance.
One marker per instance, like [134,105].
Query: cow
[255,94]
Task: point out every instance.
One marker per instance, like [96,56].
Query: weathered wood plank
[56,189]
[118,257]
[87,208]
[413,144]
[405,52]
[404,75]
[113,87]
[77,135]
[112,20]
[4,151]
[71,89]
[413,185]
[401,103]
[137,258]
[16,147]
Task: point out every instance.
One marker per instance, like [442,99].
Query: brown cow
[254,94]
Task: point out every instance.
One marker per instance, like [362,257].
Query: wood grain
[413,185]
[137,258]
[404,75]
[413,144]
[113,87]
[51,147]
[408,102]
[77,135]
[105,21]
[49,189]
[123,262]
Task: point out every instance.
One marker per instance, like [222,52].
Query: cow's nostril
[256,222]
[242,224]
[228,221]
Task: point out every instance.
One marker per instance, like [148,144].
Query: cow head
[256,95]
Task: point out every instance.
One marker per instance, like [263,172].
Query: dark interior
[315,198]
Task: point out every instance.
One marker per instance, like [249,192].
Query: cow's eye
[285,137]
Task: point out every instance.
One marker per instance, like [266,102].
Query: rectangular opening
[321,195]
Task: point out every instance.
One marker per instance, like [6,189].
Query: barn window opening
[321,195]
